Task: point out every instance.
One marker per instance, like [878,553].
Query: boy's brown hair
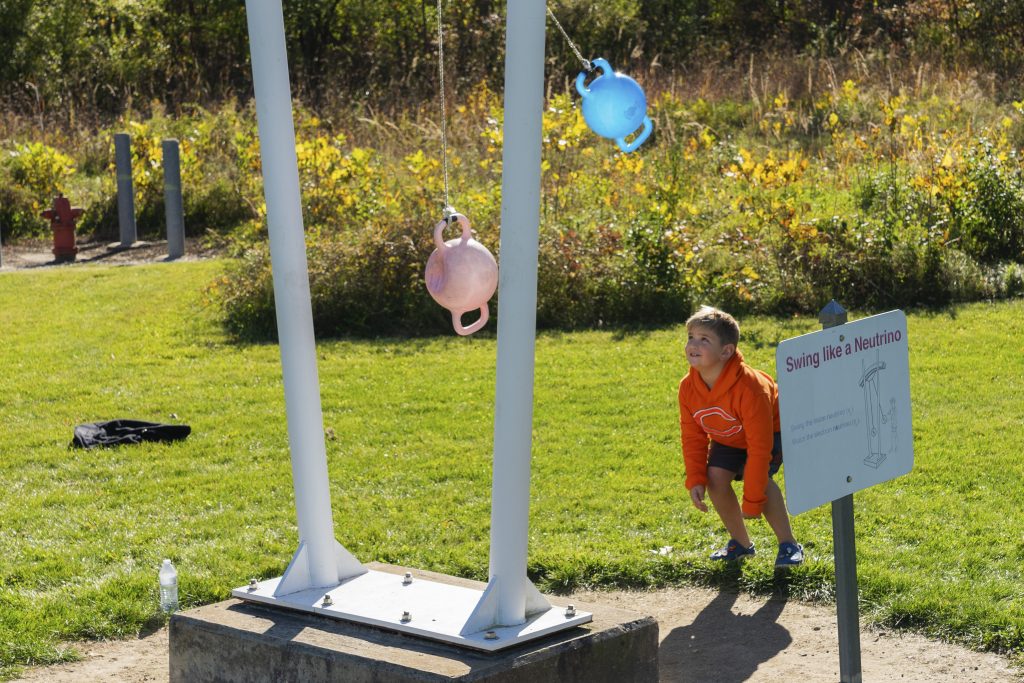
[719,322]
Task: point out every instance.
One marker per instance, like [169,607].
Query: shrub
[215,206]
[245,295]
[370,283]
[991,213]
[770,205]
[31,175]
[604,276]
[690,218]
[572,278]
[1007,280]
[18,212]
[363,283]
[912,266]
[101,219]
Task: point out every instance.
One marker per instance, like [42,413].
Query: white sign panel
[844,400]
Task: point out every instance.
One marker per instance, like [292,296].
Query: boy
[729,415]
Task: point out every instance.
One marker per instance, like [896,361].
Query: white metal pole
[517,303]
[291,289]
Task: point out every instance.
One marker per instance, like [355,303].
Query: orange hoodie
[742,411]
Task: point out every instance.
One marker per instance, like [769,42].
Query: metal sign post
[847,608]
[844,404]
[844,544]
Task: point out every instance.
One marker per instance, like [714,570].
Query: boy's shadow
[722,646]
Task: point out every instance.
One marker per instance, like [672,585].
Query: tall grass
[896,194]
[765,185]
[410,425]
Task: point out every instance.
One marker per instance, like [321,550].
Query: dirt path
[39,254]
[706,637]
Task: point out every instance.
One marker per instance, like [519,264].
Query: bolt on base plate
[438,611]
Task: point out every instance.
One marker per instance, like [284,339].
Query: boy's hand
[697,496]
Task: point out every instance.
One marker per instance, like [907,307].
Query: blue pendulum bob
[614,106]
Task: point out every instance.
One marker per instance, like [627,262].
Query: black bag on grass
[117,432]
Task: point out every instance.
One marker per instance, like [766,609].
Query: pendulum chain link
[587,66]
[448,210]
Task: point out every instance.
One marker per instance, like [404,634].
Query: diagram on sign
[881,424]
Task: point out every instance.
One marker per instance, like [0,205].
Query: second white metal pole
[291,289]
[517,304]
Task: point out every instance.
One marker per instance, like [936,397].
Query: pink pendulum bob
[461,274]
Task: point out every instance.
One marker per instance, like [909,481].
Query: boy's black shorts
[733,459]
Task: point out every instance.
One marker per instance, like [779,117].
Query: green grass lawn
[82,533]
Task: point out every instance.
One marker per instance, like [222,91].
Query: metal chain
[586,62]
[448,210]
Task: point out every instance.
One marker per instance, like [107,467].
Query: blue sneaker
[733,552]
[790,555]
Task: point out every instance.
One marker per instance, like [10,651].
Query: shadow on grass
[812,582]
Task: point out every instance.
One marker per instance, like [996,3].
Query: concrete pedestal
[252,643]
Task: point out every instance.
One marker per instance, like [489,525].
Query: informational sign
[844,400]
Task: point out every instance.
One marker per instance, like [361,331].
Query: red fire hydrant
[62,220]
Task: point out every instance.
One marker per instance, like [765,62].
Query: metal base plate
[420,607]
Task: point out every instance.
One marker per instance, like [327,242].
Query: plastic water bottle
[168,587]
